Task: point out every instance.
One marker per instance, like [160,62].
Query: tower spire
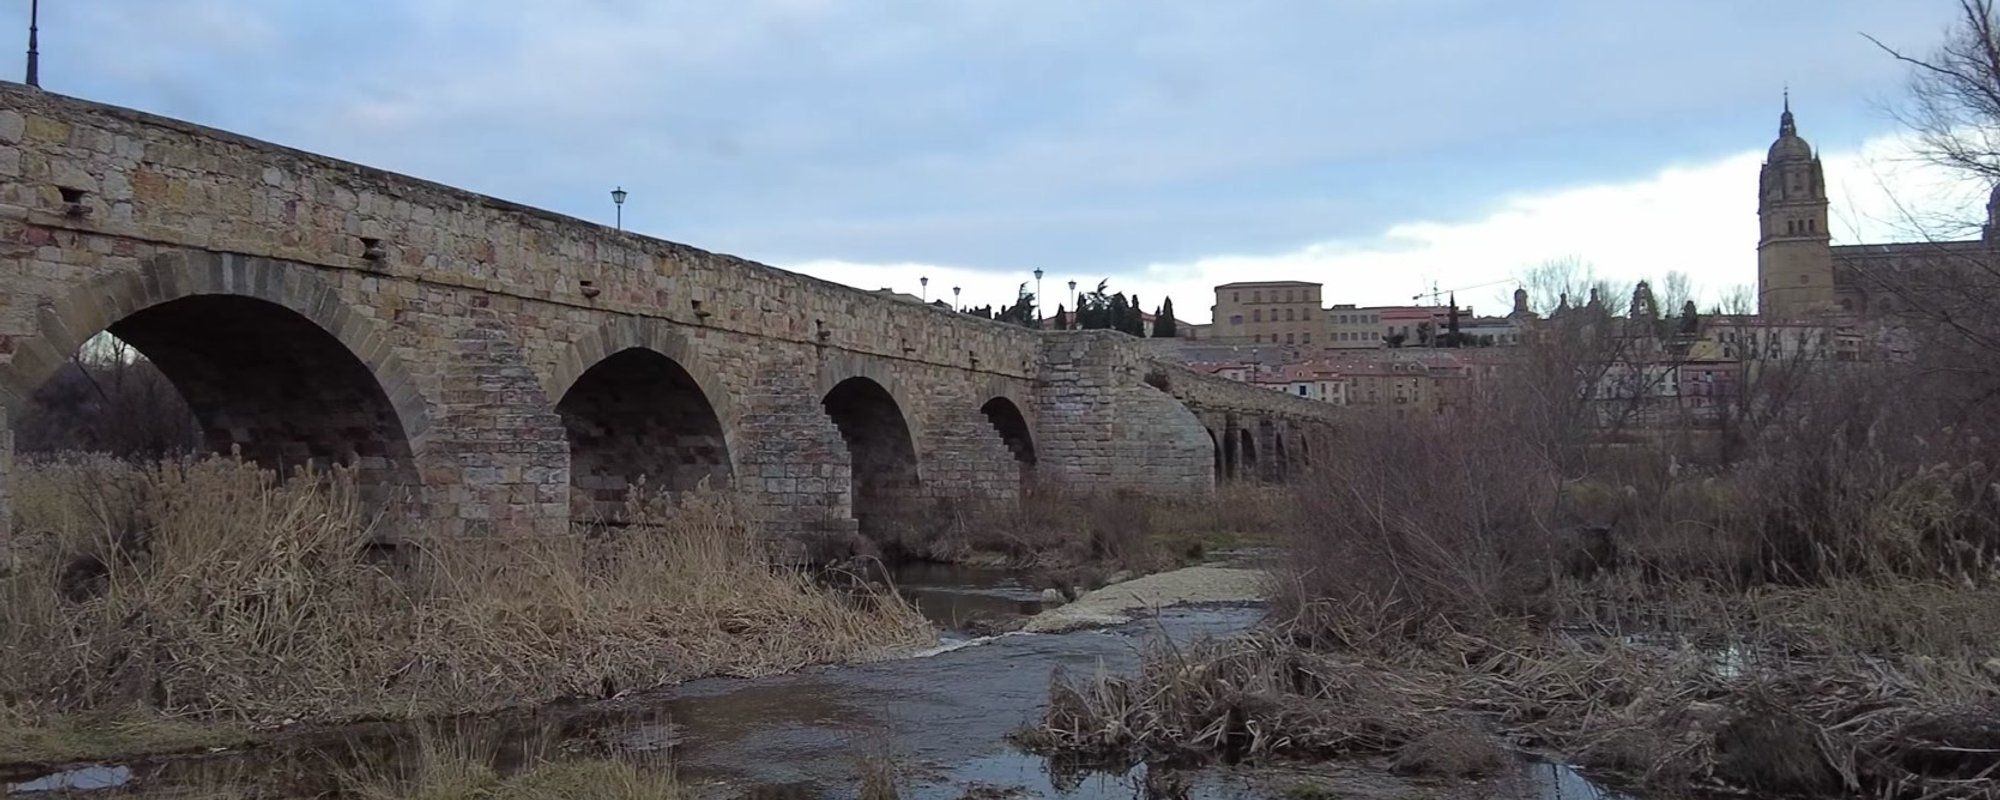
[1785,126]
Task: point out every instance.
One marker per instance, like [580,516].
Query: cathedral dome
[1789,146]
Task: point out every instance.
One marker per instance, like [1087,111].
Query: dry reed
[211,589]
[465,764]
[1810,613]
[1053,528]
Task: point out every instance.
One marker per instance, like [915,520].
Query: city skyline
[1166,151]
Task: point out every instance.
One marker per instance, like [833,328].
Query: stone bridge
[496,368]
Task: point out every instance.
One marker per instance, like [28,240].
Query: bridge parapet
[74,165]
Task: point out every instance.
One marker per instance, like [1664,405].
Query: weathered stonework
[496,367]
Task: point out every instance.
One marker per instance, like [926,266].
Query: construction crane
[1437,295]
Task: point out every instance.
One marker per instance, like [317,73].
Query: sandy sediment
[1122,602]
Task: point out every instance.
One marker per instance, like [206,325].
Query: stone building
[1800,271]
[1352,328]
[1277,312]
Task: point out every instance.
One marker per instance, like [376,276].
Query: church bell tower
[1794,250]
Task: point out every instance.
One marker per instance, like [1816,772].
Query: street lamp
[925,282]
[618,201]
[1038,297]
[34,57]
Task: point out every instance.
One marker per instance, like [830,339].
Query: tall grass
[213,589]
[468,761]
[1054,527]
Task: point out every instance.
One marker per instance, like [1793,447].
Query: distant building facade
[1274,312]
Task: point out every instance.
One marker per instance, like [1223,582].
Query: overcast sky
[1377,146]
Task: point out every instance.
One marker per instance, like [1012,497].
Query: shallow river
[942,719]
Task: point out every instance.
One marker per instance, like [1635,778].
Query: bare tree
[1955,93]
[108,399]
[1945,293]
[1673,291]
[1736,300]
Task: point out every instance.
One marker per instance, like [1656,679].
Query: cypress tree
[1164,326]
[1451,322]
[1119,310]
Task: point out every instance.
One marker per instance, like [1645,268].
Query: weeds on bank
[1053,528]
[1812,615]
[210,590]
[27,737]
[466,766]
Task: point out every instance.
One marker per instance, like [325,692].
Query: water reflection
[961,598]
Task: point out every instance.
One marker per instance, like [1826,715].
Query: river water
[941,719]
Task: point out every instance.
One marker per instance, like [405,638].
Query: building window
[1257,315]
[1288,338]
[1291,315]
[1236,319]
[1256,297]
[1235,297]
[1804,279]
[1308,339]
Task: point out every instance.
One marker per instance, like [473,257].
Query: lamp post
[925,282]
[1076,314]
[618,202]
[1038,297]
[34,55]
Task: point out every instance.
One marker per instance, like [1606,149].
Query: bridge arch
[637,403]
[882,455]
[637,416]
[268,356]
[1216,448]
[643,333]
[1006,418]
[1246,446]
[1281,462]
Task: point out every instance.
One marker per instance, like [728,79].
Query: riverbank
[933,728]
[172,606]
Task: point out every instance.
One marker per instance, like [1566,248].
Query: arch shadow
[1007,420]
[638,416]
[882,455]
[268,357]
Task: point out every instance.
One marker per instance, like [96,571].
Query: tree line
[1098,309]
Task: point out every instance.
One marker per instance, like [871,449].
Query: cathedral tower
[1794,251]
